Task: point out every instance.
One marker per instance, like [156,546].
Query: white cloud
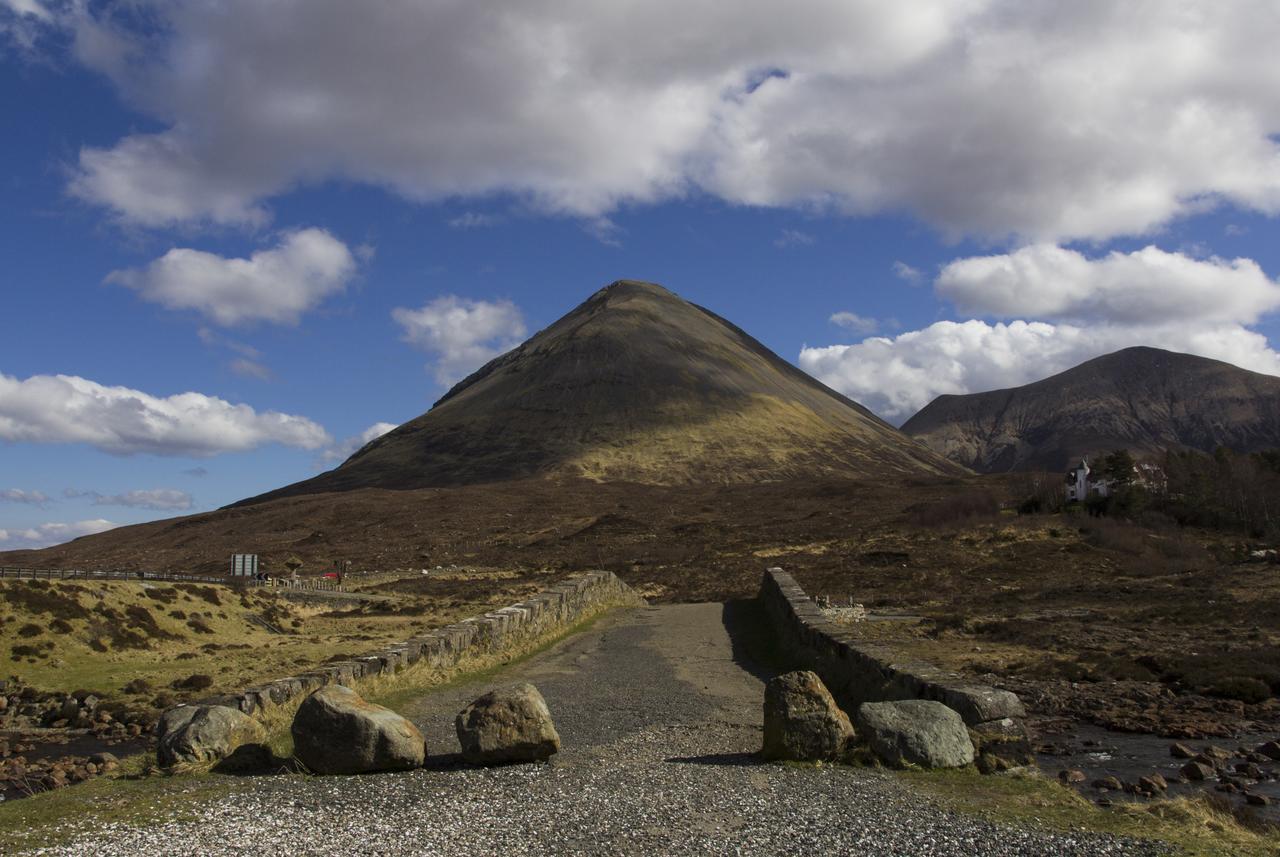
[250,369]
[1148,286]
[123,421]
[905,272]
[22,21]
[347,447]
[17,495]
[794,238]
[163,499]
[1034,118]
[275,285]
[30,538]
[474,220]
[32,8]
[856,323]
[897,376]
[461,334]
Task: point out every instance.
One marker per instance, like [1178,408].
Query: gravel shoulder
[659,716]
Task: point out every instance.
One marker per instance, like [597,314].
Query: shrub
[204,593]
[947,622]
[1120,668]
[163,594]
[141,618]
[24,652]
[1242,688]
[198,681]
[30,630]
[61,626]
[138,686]
[200,626]
[42,599]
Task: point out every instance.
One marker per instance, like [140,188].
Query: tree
[1118,467]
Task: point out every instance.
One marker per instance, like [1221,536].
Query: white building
[1078,482]
[1081,482]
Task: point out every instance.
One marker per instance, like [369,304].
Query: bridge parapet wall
[495,632]
[856,671]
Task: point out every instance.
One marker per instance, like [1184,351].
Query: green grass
[53,817]
[1190,827]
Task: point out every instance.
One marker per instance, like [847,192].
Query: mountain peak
[635,384]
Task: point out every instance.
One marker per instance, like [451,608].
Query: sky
[239,239]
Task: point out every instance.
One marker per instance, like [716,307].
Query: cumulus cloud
[996,117]
[344,449]
[461,334]
[1088,307]
[123,421]
[275,285]
[163,499]
[856,323]
[30,498]
[44,535]
[1144,287]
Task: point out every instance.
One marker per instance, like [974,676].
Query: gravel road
[658,720]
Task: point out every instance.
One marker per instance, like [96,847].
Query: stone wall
[558,607]
[856,672]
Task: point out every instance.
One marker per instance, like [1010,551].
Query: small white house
[1078,482]
[1081,483]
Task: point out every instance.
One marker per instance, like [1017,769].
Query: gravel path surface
[658,722]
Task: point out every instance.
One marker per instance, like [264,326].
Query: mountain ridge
[1141,398]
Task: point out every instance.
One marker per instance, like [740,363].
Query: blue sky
[236,238]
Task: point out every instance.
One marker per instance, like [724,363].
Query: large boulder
[195,734]
[511,725]
[915,732]
[337,732]
[802,722]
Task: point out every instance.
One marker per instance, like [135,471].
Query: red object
[332,574]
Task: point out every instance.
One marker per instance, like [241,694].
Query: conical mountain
[1140,399]
[635,384]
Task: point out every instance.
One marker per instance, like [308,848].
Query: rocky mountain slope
[1140,399]
[633,385]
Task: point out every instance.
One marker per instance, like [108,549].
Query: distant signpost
[244,565]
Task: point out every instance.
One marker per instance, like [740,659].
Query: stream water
[43,749]
[1100,752]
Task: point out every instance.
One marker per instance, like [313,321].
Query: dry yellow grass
[1190,826]
[64,636]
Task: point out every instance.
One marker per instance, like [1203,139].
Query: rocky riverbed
[52,740]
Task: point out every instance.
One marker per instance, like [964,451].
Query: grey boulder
[802,722]
[503,726]
[337,732]
[915,732]
[195,734]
